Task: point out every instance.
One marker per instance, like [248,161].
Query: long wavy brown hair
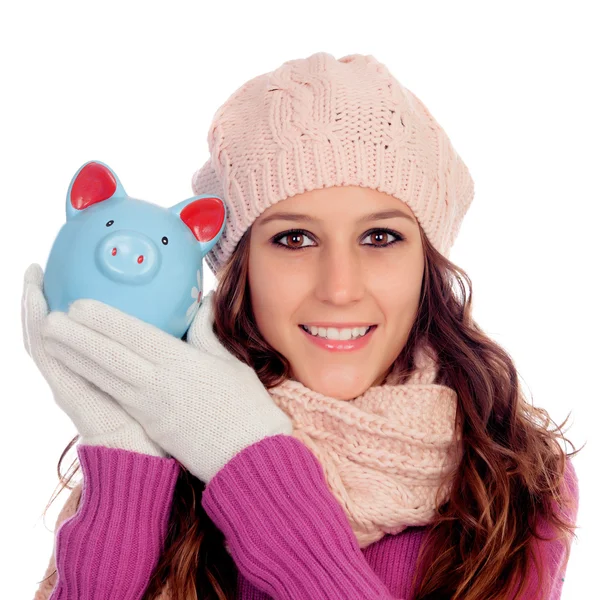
[512,473]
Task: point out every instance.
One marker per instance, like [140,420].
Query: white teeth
[331,333]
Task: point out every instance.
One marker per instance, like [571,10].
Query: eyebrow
[287,216]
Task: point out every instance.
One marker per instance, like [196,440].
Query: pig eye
[165,240]
[110,223]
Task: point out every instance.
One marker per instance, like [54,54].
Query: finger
[25,320]
[33,310]
[93,412]
[96,351]
[35,275]
[98,417]
[104,381]
[149,342]
[112,399]
[201,334]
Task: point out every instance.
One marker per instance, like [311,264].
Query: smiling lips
[336,333]
[335,339]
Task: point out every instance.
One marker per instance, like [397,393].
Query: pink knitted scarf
[385,452]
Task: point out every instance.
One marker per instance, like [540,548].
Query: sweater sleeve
[285,530]
[109,545]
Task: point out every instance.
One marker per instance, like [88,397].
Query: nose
[128,256]
[340,277]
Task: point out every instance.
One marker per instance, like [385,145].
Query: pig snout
[128,256]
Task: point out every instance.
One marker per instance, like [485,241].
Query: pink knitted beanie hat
[320,122]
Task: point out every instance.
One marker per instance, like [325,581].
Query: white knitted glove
[201,407]
[99,420]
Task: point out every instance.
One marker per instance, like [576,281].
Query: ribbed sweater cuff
[110,547]
[285,530]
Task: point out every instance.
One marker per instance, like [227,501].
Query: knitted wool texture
[384,454]
[320,122]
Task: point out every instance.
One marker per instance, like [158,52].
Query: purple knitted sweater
[286,532]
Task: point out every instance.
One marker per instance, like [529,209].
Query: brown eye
[294,240]
[379,237]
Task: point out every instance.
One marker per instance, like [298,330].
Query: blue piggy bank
[136,256]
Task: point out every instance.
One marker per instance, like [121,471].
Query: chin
[340,385]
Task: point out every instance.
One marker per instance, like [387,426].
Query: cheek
[397,291]
[275,294]
[398,282]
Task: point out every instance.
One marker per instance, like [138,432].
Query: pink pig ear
[94,183]
[204,217]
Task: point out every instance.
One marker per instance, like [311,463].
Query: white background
[135,85]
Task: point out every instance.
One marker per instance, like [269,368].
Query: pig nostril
[140,259]
[114,251]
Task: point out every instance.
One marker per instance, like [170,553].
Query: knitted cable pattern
[320,122]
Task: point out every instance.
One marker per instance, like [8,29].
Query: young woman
[335,425]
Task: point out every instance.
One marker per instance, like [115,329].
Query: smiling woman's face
[334,276]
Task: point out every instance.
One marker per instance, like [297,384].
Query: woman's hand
[202,406]
[99,420]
